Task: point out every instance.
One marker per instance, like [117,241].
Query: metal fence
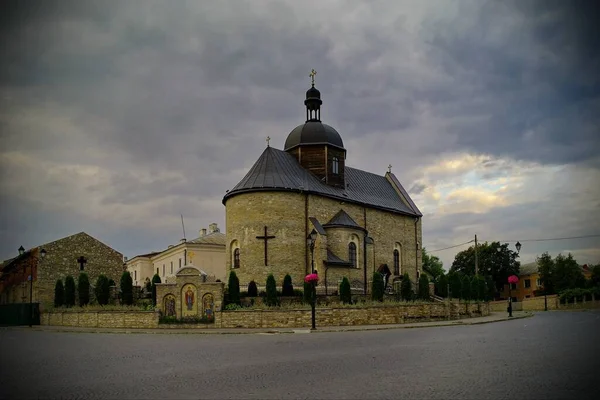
[19,314]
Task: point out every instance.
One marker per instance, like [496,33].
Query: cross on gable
[81,260]
[265,237]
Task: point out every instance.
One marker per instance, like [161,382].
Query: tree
[233,287]
[432,265]
[377,287]
[148,285]
[423,287]
[546,269]
[465,287]
[59,294]
[83,288]
[102,290]
[155,280]
[287,289]
[441,286]
[455,282]
[478,288]
[494,259]
[406,288]
[126,288]
[69,291]
[490,287]
[252,289]
[345,292]
[271,299]
[567,273]
[596,275]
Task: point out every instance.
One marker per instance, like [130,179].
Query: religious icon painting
[169,305]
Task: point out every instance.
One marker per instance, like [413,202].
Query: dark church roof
[342,219]
[276,170]
[313,132]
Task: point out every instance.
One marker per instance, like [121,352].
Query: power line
[451,247]
[520,240]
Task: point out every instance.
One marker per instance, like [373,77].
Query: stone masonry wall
[284,215]
[102,319]
[537,304]
[61,260]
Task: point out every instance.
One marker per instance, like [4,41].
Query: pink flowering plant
[513,279]
[311,278]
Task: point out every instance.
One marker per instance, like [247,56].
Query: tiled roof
[528,269]
[278,170]
[332,259]
[217,238]
[342,219]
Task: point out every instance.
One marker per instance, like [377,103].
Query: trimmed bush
[148,285]
[126,289]
[287,289]
[252,289]
[455,285]
[102,290]
[271,299]
[406,288]
[377,287]
[233,288]
[69,291]
[441,286]
[155,280]
[111,283]
[59,294]
[83,289]
[423,293]
[345,293]
[306,293]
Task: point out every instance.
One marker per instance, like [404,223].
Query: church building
[302,208]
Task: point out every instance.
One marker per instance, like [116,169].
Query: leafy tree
[455,281]
[432,265]
[423,287]
[155,280]
[567,273]
[441,286]
[252,289]
[406,288]
[596,275]
[478,288]
[345,292]
[546,270]
[490,287]
[271,299]
[287,289]
[377,287]
[126,288]
[494,259]
[102,290]
[83,288]
[59,294]
[465,288]
[233,288]
[69,291]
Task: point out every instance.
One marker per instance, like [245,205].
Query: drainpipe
[365,250]
[416,248]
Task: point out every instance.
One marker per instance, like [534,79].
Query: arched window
[335,165]
[352,254]
[236,258]
[396,262]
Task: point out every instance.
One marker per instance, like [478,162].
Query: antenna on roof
[183,226]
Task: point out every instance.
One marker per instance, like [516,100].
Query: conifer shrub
[377,287]
[69,291]
[454,279]
[155,280]
[287,289]
[233,288]
[423,292]
[307,293]
[478,288]
[345,292]
[59,294]
[126,288]
[271,299]
[406,288]
[441,286]
[252,289]
[83,289]
[466,293]
[102,290]
[111,283]
[490,287]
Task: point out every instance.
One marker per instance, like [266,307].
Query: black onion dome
[313,132]
[313,93]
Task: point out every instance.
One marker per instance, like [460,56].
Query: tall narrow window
[156,271]
[180,263]
[396,262]
[171,267]
[352,254]
[335,166]
[135,275]
[163,269]
[236,258]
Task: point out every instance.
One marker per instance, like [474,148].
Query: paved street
[554,355]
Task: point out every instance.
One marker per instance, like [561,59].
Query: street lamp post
[310,240]
[513,279]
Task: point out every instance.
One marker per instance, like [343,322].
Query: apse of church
[363,221]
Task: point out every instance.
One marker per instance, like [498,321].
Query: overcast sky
[118,116]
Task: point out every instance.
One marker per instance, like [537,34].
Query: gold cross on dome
[268,140]
[312,75]
[390,168]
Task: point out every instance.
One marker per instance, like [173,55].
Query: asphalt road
[554,355]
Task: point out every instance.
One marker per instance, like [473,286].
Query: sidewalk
[493,317]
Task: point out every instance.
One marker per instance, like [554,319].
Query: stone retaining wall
[101,319]
[537,304]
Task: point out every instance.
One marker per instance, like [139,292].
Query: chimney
[124,258]
[203,232]
[213,228]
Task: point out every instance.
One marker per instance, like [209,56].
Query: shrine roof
[276,170]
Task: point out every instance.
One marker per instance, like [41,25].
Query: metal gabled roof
[342,219]
[276,170]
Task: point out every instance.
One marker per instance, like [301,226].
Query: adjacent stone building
[363,222]
[206,251]
[67,256]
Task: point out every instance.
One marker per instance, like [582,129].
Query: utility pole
[476,260]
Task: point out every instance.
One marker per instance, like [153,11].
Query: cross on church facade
[390,168]
[312,75]
[268,140]
[81,260]
[266,237]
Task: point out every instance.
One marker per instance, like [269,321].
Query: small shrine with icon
[193,295]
